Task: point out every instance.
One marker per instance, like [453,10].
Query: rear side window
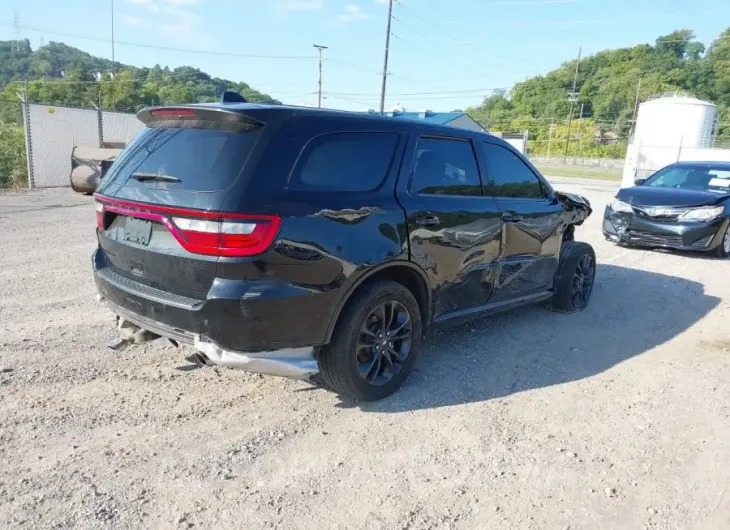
[201,159]
[353,161]
[508,175]
[445,167]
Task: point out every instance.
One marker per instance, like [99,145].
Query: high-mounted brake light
[172,113]
[200,232]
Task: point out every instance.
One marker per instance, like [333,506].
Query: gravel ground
[616,417]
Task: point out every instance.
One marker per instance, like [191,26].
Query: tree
[608,84]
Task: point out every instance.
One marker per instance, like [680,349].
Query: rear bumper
[633,230]
[294,363]
[236,315]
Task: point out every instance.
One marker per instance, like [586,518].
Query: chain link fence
[52,132]
[36,140]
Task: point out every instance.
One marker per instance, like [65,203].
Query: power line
[449,61]
[155,47]
[351,100]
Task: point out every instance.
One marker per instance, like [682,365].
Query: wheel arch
[406,273]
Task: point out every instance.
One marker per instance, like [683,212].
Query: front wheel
[574,278]
[375,343]
[723,249]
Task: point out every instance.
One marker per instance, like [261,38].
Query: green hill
[608,83]
[64,75]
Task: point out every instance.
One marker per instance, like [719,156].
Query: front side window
[445,167]
[508,175]
[357,161]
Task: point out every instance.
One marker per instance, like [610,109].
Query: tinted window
[345,161]
[203,160]
[445,167]
[508,175]
[691,177]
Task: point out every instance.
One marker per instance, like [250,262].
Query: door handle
[429,220]
[511,218]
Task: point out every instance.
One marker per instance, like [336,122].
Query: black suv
[322,245]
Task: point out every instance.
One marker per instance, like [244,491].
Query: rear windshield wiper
[154,176]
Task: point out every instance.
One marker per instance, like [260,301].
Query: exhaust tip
[119,344]
[201,359]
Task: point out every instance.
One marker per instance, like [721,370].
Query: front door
[454,231]
[532,223]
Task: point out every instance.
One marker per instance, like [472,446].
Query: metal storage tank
[675,120]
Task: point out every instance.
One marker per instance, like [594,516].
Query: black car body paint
[462,256]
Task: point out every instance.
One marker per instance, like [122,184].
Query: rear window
[344,162]
[202,160]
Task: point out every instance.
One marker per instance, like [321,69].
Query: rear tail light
[228,238]
[99,207]
[208,233]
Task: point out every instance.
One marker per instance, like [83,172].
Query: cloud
[537,2]
[150,5]
[352,13]
[184,24]
[182,2]
[289,6]
[129,20]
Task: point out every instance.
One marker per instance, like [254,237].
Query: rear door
[454,231]
[159,206]
[532,223]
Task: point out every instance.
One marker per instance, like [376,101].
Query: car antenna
[232,97]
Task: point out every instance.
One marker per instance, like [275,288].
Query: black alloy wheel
[384,343]
[375,343]
[575,277]
[583,281]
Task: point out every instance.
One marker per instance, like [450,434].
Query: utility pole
[550,139]
[112,6]
[385,61]
[113,60]
[572,98]
[636,108]
[319,49]
[580,134]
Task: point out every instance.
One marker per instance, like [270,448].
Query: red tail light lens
[99,206]
[239,237]
[208,233]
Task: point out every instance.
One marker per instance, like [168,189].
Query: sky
[444,54]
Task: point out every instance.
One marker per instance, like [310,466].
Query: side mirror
[639,182]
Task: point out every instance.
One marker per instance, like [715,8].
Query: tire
[722,250]
[344,358]
[573,255]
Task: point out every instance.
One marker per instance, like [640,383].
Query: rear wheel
[723,249]
[575,277]
[375,343]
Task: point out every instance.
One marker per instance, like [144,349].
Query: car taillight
[201,232]
[99,206]
[235,237]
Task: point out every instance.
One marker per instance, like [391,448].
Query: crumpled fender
[577,208]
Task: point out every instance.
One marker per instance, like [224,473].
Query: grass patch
[579,172]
